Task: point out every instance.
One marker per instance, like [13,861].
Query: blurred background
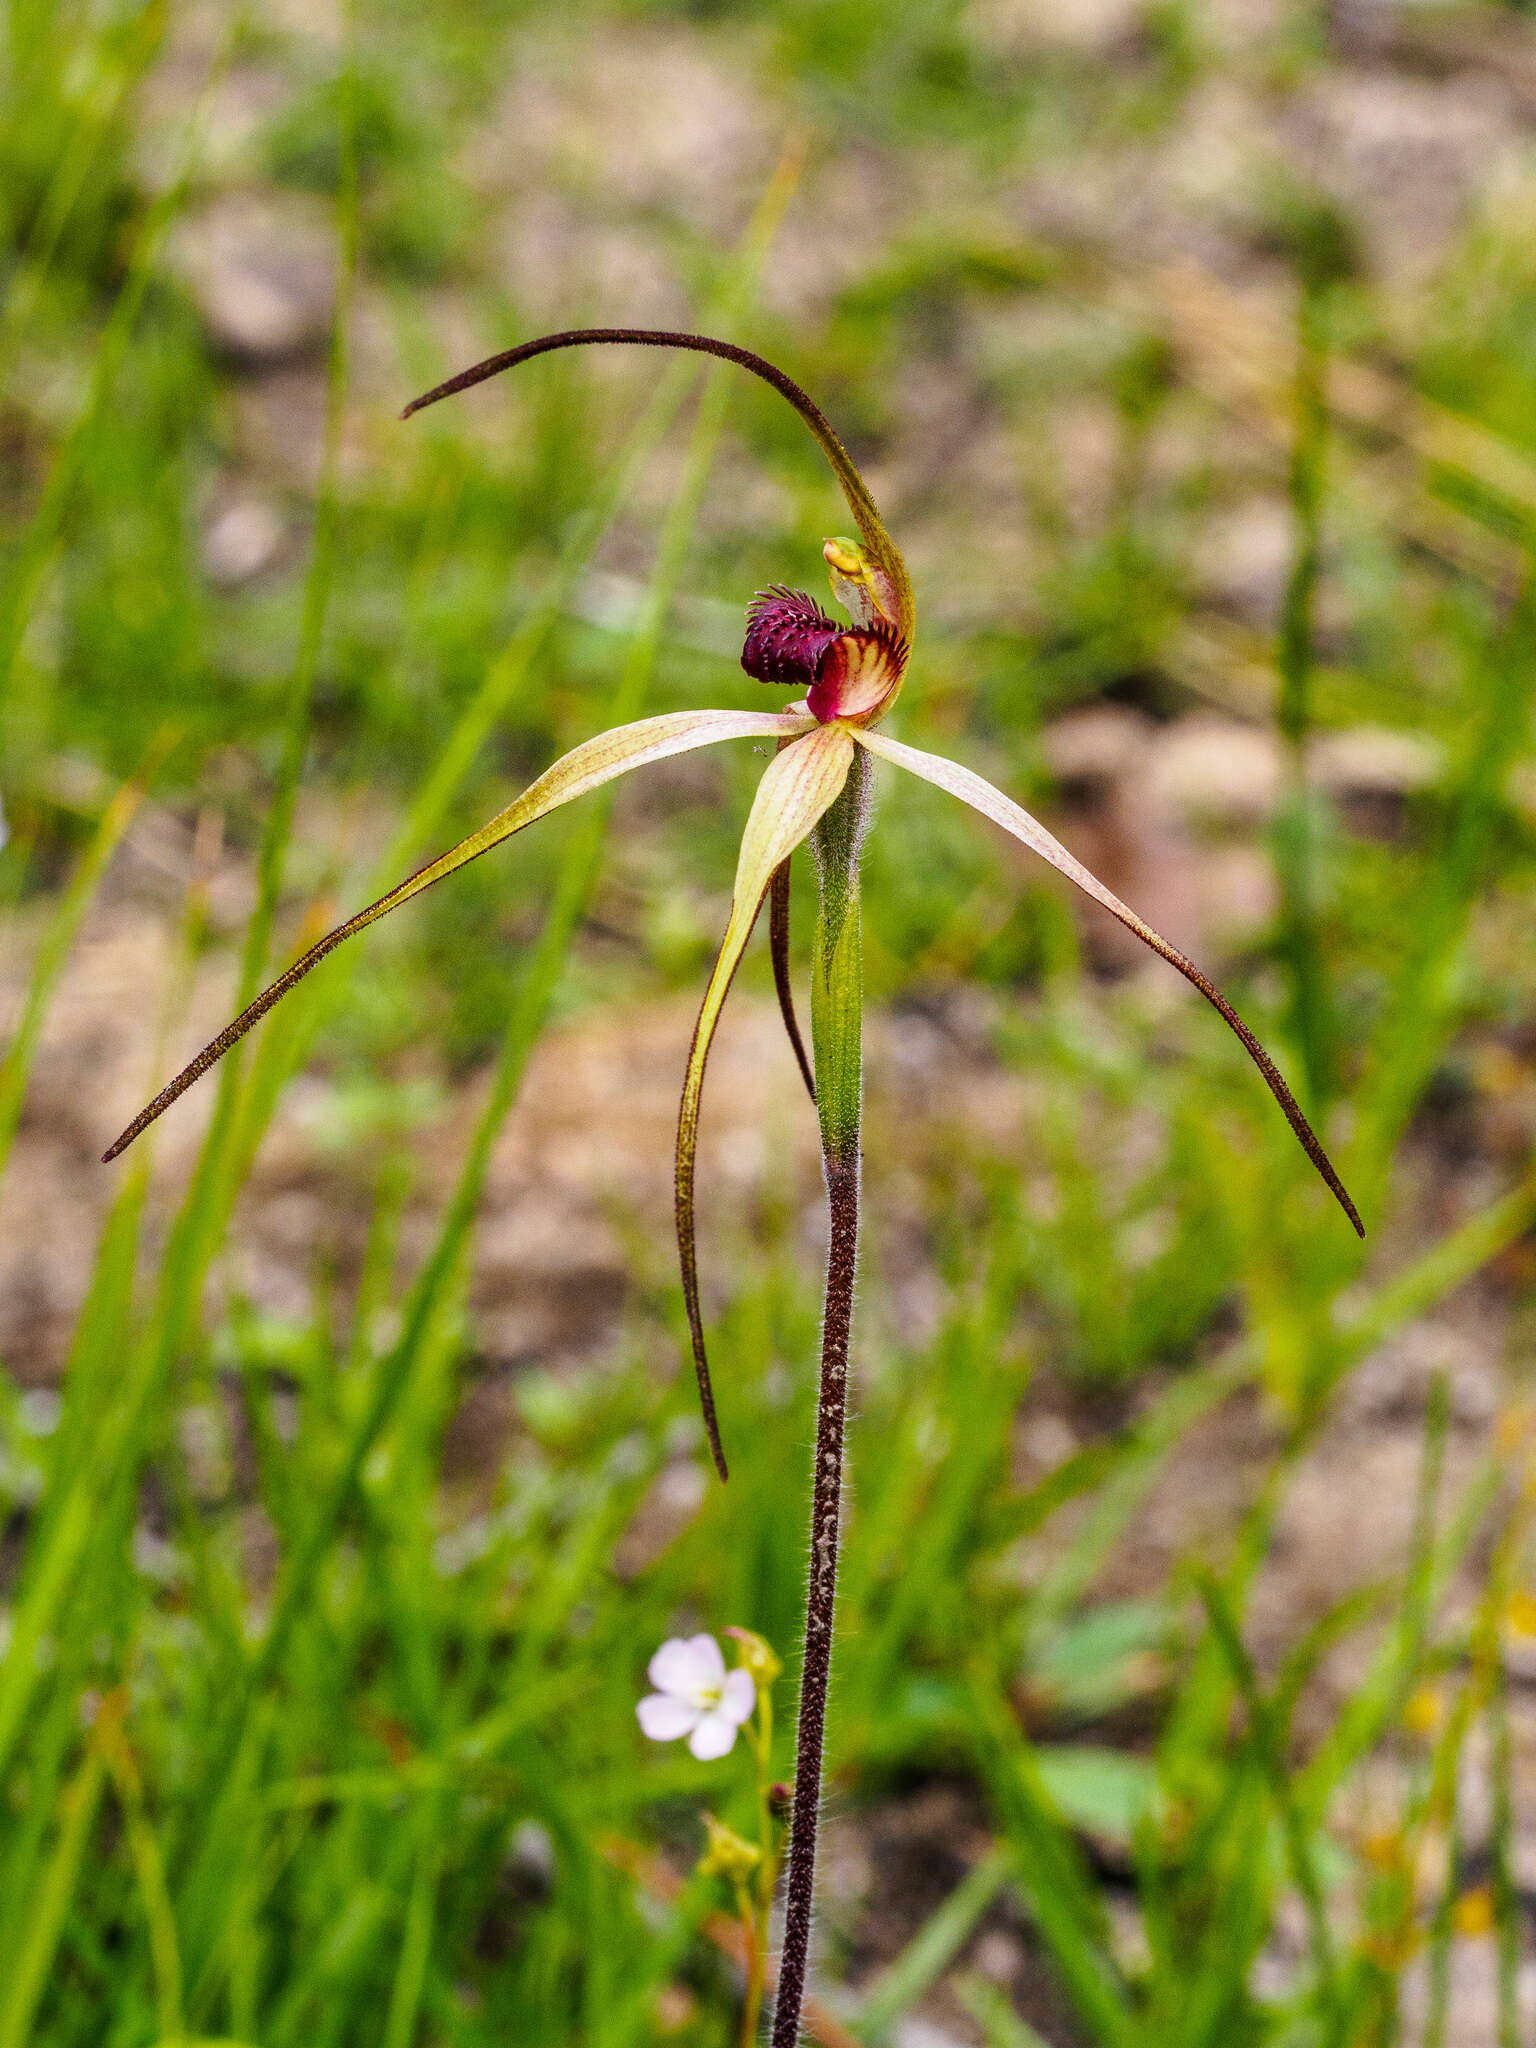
[1187,1685]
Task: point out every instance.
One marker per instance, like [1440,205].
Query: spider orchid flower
[851,675]
[814,788]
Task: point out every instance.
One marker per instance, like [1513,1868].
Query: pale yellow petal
[798,788]
[585,768]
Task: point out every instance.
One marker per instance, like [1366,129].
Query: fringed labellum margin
[852,676]
[848,672]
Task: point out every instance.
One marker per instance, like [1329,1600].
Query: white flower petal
[688,1666]
[738,1697]
[664,1717]
[709,1661]
[714,1737]
[674,1667]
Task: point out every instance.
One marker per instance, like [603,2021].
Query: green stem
[768,1869]
[837,1042]
[757,1963]
[756,1906]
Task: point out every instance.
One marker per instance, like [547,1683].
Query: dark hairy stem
[837,1033]
[821,1597]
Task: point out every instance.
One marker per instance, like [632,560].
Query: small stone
[1086,28]
[1215,769]
[997,1955]
[920,2033]
[673,1499]
[1370,761]
[242,541]
[1049,1440]
[1088,750]
[1245,557]
[532,1848]
[262,274]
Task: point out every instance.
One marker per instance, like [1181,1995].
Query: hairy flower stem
[836,1037]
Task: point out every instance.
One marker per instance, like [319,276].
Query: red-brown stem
[778,947]
[837,1031]
[821,1595]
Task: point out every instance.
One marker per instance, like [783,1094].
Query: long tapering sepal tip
[972,789]
[882,549]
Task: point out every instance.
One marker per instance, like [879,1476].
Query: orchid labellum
[815,788]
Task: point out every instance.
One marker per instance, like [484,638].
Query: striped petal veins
[847,672]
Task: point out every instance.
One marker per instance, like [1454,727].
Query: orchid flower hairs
[815,788]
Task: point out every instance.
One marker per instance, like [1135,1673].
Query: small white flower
[696,1696]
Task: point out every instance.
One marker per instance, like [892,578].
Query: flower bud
[729,1855]
[757,1657]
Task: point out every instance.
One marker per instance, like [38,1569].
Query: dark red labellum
[788,635]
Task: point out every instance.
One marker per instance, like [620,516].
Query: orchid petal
[713,1737]
[664,1717]
[585,768]
[1002,810]
[798,787]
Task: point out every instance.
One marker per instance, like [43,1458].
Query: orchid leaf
[585,768]
[972,789]
[797,789]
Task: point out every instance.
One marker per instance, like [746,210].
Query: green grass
[301,1743]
